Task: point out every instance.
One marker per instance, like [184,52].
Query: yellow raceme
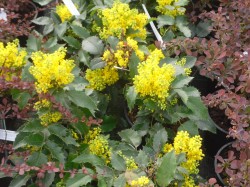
[63,12]
[119,19]
[167,7]
[153,81]
[11,56]
[100,78]
[51,70]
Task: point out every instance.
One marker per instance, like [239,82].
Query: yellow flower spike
[98,144]
[154,81]
[63,12]
[100,78]
[140,182]
[44,103]
[51,70]
[50,117]
[11,56]
[167,7]
[118,19]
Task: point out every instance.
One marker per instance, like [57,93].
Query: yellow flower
[51,70]
[44,103]
[63,12]
[98,144]
[140,182]
[191,147]
[11,56]
[153,81]
[100,78]
[118,19]
[50,117]
[120,57]
[167,7]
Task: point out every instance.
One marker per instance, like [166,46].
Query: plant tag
[72,8]
[157,34]
[8,135]
[3,15]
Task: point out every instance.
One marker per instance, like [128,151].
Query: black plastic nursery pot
[222,152]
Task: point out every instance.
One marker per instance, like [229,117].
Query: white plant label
[72,8]
[3,15]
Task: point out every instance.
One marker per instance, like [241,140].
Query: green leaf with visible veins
[166,172]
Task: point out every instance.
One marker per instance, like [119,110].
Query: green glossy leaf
[89,158]
[180,81]
[48,29]
[187,92]
[19,180]
[142,159]
[120,181]
[22,98]
[113,41]
[35,139]
[165,20]
[82,100]
[181,3]
[37,159]
[93,45]
[182,24]
[51,42]
[108,124]
[80,31]
[190,127]
[203,28]
[42,20]
[206,125]
[78,180]
[72,42]
[190,61]
[42,2]
[130,136]
[133,63]
[34,43]
[20,140]
[166,172]
[160,138]
[56,151]
[48,179]
[105,171]
[61,29]
[97,63]
[118,162]
[131,97]
[198,108]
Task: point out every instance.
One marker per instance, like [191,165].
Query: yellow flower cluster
[100,78]
[130,164]
[11,56]
[190,146]
[44,103]
[140,182]
[50,117]
[154,81]
[63,12]
[98,144]
[118,19]
[51,70]
[75,135]
[182,62]
[121,56]
[167,7]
